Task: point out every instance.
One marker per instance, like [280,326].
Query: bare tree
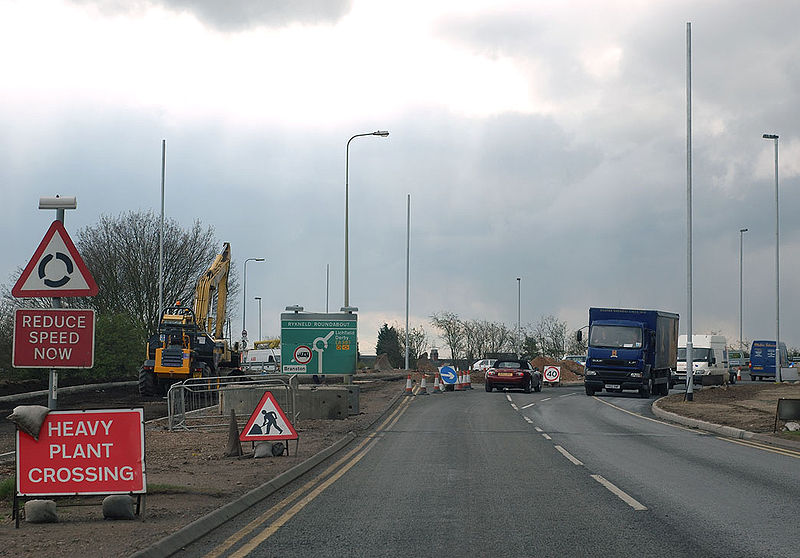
[499,339]
[122,254]
[417,343]
[550,335]
[452,330]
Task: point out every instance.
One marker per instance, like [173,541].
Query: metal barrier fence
[200,403]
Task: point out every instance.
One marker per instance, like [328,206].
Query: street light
[774,138]
[519,331]
[382,133]
[741,235]
[244,301]
[258,298]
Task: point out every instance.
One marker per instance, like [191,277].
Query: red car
[513,374]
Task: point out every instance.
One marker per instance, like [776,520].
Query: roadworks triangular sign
[56,269]
[268,422]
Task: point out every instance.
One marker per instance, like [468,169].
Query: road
[554,473]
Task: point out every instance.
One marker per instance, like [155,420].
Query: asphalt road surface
[554,473]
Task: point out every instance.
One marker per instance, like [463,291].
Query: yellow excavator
[190,342]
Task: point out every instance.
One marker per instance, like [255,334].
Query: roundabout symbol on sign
[302,354]
[552,373]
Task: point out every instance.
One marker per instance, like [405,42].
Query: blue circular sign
[448,375]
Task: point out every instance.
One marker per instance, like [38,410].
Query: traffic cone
[738,374]
[467,380]
[459,384]
[409,387]
[423,386]
[437,388]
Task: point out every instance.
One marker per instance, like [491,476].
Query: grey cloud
[238,15]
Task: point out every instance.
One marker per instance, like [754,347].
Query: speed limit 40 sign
[552,374]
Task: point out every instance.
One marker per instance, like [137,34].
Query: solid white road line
[546,437]
[568,455]
[619,493]
[528,405]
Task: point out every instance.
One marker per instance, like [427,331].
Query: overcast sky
[543,139]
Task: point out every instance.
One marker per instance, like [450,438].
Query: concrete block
[313,401]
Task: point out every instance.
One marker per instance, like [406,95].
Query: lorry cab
[630,350]
[709,359]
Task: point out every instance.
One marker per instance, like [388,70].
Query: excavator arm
[215,279]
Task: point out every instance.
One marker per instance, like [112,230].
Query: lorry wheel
[147,382]
[647,391]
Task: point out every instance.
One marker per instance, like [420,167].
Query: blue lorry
[631,350]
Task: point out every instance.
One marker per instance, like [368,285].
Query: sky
[540,139]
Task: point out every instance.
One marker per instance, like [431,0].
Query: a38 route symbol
[302,354]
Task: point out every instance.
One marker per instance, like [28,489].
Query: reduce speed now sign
[53,338]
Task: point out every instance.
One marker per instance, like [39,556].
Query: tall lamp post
[774,138]
[741,235]
[382,133]
[519,330]
[244,301]
[258,298]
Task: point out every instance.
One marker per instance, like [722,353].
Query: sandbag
[119,506]
[29,418]
[41,511]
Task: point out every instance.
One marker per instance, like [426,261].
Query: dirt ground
[750,407]
[187,477]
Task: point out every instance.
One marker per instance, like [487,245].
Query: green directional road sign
[318,343]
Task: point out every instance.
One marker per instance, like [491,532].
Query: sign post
[59,272]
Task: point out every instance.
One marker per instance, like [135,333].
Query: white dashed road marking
[528,405]
[528,420]
[568,455]
[620,494]
[546,437]
[514,407]
[547,399]
[508,397]
[537,429]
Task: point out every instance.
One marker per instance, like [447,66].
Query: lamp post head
[770,136]
[257,298]
[382,133]
[743,230]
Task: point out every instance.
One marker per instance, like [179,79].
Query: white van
[709,357]
[261,361]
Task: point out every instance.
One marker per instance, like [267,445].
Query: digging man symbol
[270,419]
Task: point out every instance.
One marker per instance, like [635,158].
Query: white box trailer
[261,361]
[709,359]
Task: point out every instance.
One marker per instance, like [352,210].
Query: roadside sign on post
[318,343]
[83,452]
[53,338]
[56,269]
[268,422]
[448,375]
[552,374]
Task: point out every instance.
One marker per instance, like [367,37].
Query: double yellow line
[303,495]
[766,447]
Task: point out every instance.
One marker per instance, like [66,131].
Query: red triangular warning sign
[56,269]
[268,422]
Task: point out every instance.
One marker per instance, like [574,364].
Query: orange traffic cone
[437,388]
[409,387]
[467,380]
[738,374]
[459,382]
[423,386]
